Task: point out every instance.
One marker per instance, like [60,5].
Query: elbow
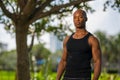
[62,62]
[98,62]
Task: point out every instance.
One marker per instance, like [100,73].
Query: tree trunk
[23,72]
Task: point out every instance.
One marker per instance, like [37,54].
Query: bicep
[96,51]
[64,55]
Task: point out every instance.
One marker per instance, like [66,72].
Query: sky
[105,21]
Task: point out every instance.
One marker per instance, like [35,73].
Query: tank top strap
[88,35]
[71,35]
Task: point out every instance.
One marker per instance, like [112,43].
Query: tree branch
[42,7]
[32,41]
[21,4]
[28,9]
[11,6]
[39,2]
[5,11]
[55,10]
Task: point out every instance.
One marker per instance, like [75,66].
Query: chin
[80,27]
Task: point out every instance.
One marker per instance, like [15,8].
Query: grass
[7,75]
[105,76]
[10,75]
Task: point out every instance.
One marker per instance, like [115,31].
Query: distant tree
[8,60]
[110,45]
[40,52]
[40,61]
[3,47]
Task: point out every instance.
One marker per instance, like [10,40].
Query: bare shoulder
[66,39]
[93,40]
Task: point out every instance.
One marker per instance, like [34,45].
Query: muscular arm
[96,53]
[62,63]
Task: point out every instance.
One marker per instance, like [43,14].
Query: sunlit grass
[105,76]
[7,75]
[10,75]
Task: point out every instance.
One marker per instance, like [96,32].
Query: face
[79,19]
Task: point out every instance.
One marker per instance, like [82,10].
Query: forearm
[97,70]
[60,70]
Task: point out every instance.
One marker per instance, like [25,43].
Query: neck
[81,30]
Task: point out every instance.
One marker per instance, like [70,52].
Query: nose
[78,19]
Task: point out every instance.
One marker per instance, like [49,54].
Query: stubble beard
[81,26]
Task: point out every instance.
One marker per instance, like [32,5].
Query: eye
[81,17]
[75,18]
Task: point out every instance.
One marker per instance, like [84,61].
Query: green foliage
[10,75]
[110,48]
[41,54]
[7,75]
[114,4]
[8,60]
[105,76]
[45,70]
[40,51]
[43,24]
[2,47]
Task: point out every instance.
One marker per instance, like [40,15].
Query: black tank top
[78,57]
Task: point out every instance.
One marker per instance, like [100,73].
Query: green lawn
[105,76]
[7,75]
[10,75]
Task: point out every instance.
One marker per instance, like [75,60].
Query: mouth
[77,23]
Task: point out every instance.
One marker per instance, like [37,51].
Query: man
[78,50]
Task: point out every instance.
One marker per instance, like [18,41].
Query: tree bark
[23,72]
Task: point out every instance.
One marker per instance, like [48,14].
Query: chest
[78,45]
